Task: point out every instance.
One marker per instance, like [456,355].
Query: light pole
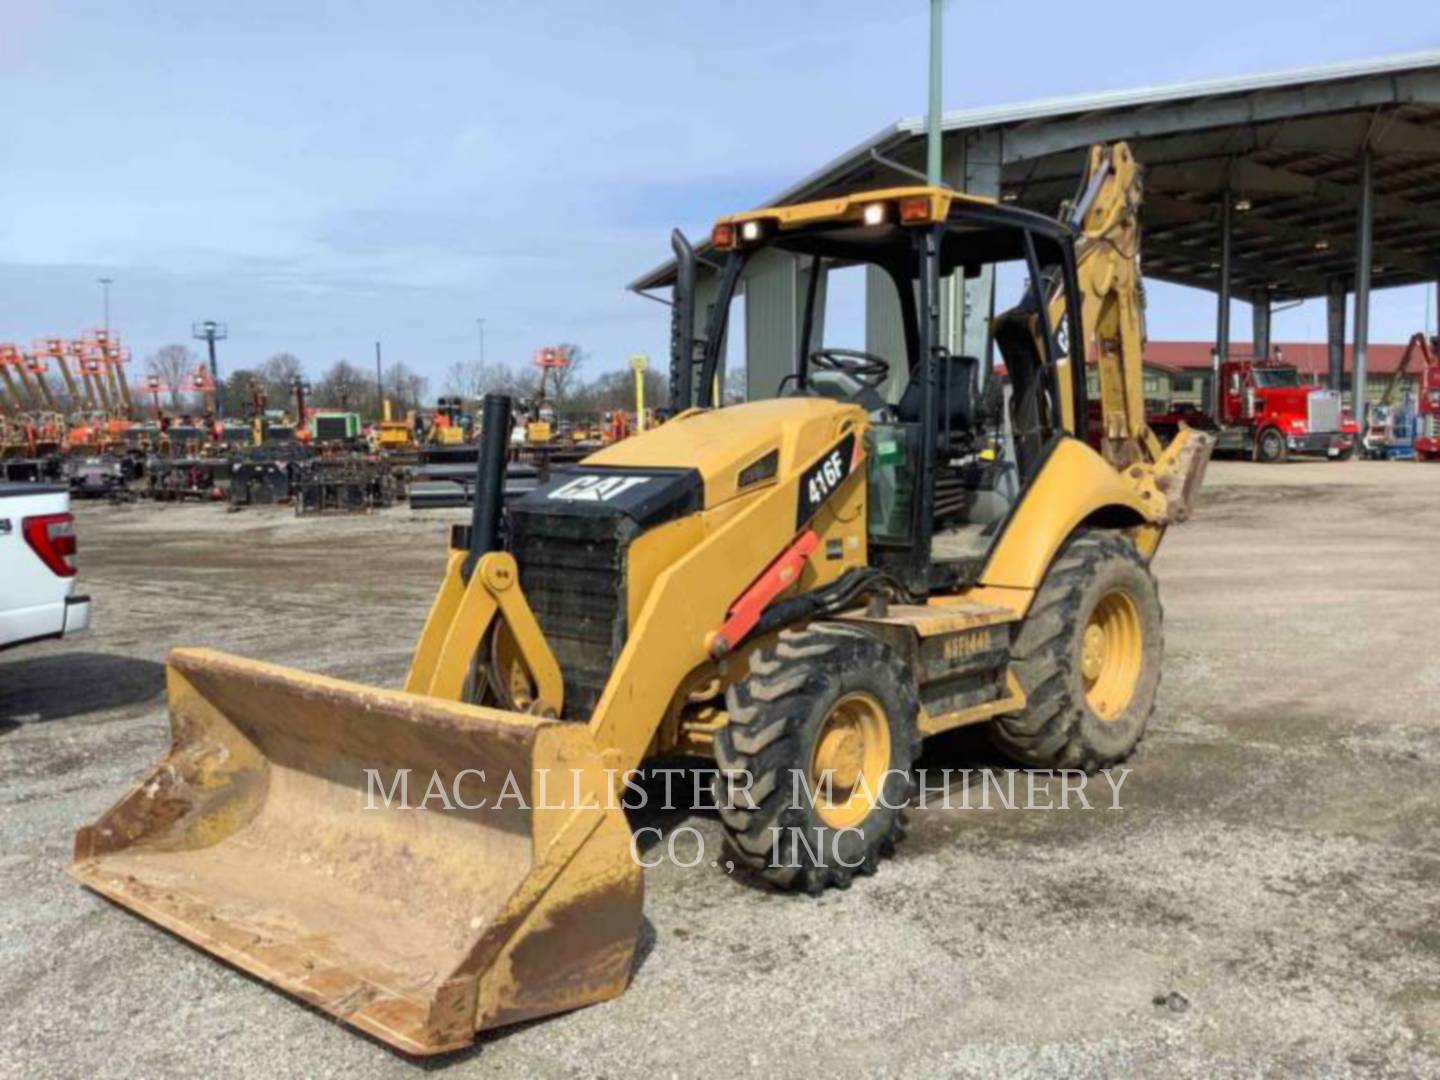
[480,323]
[210,332]
[105,284]
[932,117]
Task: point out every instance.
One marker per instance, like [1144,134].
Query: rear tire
[828,697]
[1088,657]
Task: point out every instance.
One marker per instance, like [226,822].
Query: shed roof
[1285,145]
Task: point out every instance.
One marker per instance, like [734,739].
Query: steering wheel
[866,368]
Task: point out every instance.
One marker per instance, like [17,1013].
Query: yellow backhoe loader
[803,587]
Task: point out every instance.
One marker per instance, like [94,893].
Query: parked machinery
[1409,428]
[1426,352]
[202,382]
[1265,412]
[264,476]
[104,476]
[347,484]
[396,437]
[551,362]
[448,424]
[20,395]
[176,479]
[335,428]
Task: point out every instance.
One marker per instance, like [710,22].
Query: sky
[324,174]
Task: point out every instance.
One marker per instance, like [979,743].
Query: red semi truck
[1266,413]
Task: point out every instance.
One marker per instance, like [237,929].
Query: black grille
[332,428]
[572,569]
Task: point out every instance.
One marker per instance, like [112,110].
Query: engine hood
[1285,398]
[721,444]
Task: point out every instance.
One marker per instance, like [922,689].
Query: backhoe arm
[1106,218]
[1106,215]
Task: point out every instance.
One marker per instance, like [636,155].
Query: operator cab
[955,438]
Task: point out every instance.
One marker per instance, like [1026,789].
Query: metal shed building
[1312,182]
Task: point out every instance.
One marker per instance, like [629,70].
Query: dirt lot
[1266,900]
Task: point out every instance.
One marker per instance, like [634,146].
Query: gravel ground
[1264,901]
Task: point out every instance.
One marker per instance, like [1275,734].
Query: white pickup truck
[37,566]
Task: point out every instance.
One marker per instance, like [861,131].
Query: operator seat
[971,503]
[960,399]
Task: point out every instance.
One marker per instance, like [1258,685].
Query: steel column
[707,293]
[1335,333]
[1260,323]
[771,306]
[971,301]
[1363,258]
[1222,313]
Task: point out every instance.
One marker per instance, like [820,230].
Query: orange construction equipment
[201,382]
[17,381]
[37,367]
[56,350]
[113,357]
[92,368]
[74,367]
[16,389]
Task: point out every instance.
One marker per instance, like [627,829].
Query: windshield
[1269,378]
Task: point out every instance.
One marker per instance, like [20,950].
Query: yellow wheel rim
[853,747]
[1112,651]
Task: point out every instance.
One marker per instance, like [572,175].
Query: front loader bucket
[493,883]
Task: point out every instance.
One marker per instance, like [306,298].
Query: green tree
[235,395]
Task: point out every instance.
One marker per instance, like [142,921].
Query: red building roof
[1309,357]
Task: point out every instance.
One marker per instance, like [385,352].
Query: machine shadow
[40,689]
[962,748]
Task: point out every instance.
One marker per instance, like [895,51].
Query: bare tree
[174,364]
[461,378]
[562,379]
[344,386]
[279,374]
[471,380]
[735,389]
[613,391]
[406,389]
[570,392]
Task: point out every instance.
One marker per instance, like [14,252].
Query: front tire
[1088,657]
[825,699]
[1270,447]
